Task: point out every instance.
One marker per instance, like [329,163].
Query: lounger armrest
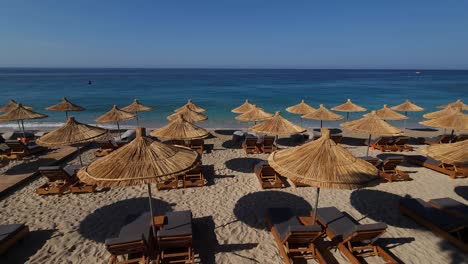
[365,228]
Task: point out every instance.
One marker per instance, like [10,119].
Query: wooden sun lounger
[449,227]
[401,144]
[10,235]
[105,147]
[450,206]
[268,144]
[354,240]
[384,144]
[131,245]
[60,179]
[198,145]
[388,169]
[461,138]
[447,169]
[174,238]
[434,140]
[170,183]
[179,142]
[295,240]
[195,177]
[267,176]
[19,150]
[250,145]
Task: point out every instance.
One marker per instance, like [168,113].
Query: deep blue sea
[220,90]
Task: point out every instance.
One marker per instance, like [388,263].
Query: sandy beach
[228,212]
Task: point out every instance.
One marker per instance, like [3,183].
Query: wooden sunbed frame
[172,183]
[126,249]
[401,147]
[268,148]
[391,174]
[268,178]
[386,146]
[57,184]
[81,187]
[194,178]
[436,230]
[287,251]
[198,145]
[454,173]
[14,239]
[180,249]
[19,150]
[251,147]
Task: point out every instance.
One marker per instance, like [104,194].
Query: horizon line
[232,68]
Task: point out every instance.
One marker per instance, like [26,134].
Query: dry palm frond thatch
[254,115]
[301,108]
[388,114]
[407,106]
[21,113]
[349,107]
[72,132]
[136,107]
[277,125]
[246,106]
[322,113]
[141,161]
[324,164]
[180,129]
[188,115]
[115,115]
[457,120]
[452,153]
[440,113]
[12,104]
[372,124]
[457,104]
[65,106]
[191,106]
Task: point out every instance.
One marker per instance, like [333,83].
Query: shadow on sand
[210,174]
[225,132]
[229,144]
[28,166]
[462,191]
[242,164]
[106,222]
[27,247]
[251,208]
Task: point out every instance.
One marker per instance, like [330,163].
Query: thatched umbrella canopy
[388,114]
[71,133]
[457,120]
[372,124]
[301,109]
[12,104]
[254,115]
[136,107]
[65,106]
[142,161]
[180,129]
[349,107]
[406,107]
[277,125]
[20,113]
[322,114]
[440,113]
[246,106]
[324,164]
[457,104]
[452,153]
[115,115]
[188,115]
[191,106]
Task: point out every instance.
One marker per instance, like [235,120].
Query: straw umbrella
[372,124]
[451,153]
[448,110]
[136,107]
[142,161]
[65,106]
[20,113]
[191,106]
[71,133]
[301,109]
[180,129]
[278,126]
[188,114]
[349,107]
[115,115]
[388,114]
[322,114]
[12,104]
[458,103]
[455,121]
[324,164]
[406,107]
[254,115]
[246,106]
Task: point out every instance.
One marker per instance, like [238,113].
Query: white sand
[229,224]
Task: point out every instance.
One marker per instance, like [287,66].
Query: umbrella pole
[316,204]
[347,116]
[19,125]
[138,121]
[66,115]
[451,136]
[321,122]
[368,145]
[404,120]
[22,124]
[151,210]
[118,129]
[79,155]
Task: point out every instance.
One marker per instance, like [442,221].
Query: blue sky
[430,34]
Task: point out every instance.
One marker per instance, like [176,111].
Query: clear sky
[410,34]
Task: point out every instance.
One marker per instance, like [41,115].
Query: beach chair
[354,240]
[131,245]
[170,183]
[388,169]
[198,145]
[60,179]
[452,228]
[267,176]
[371,160]
[268,144]
[295,240]
[434,140]
[337,138]
[447,169]
[250,145]
[174,239]
[195,177]
[19,150]
[450,206]
[105,147]
[461,137]
[401,144]
[179,142]
[10,235]
[384,144]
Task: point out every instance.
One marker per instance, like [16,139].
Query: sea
[220,90]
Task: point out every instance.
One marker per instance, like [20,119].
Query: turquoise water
[220,90]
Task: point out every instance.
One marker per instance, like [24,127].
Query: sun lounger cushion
[364,228]
[258,167]
[70,169]
[426,160]
[285,221]
[451,204]
[137,230]
[335,221]
[7,231]
[177,224]
[238,136]
[434,215]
